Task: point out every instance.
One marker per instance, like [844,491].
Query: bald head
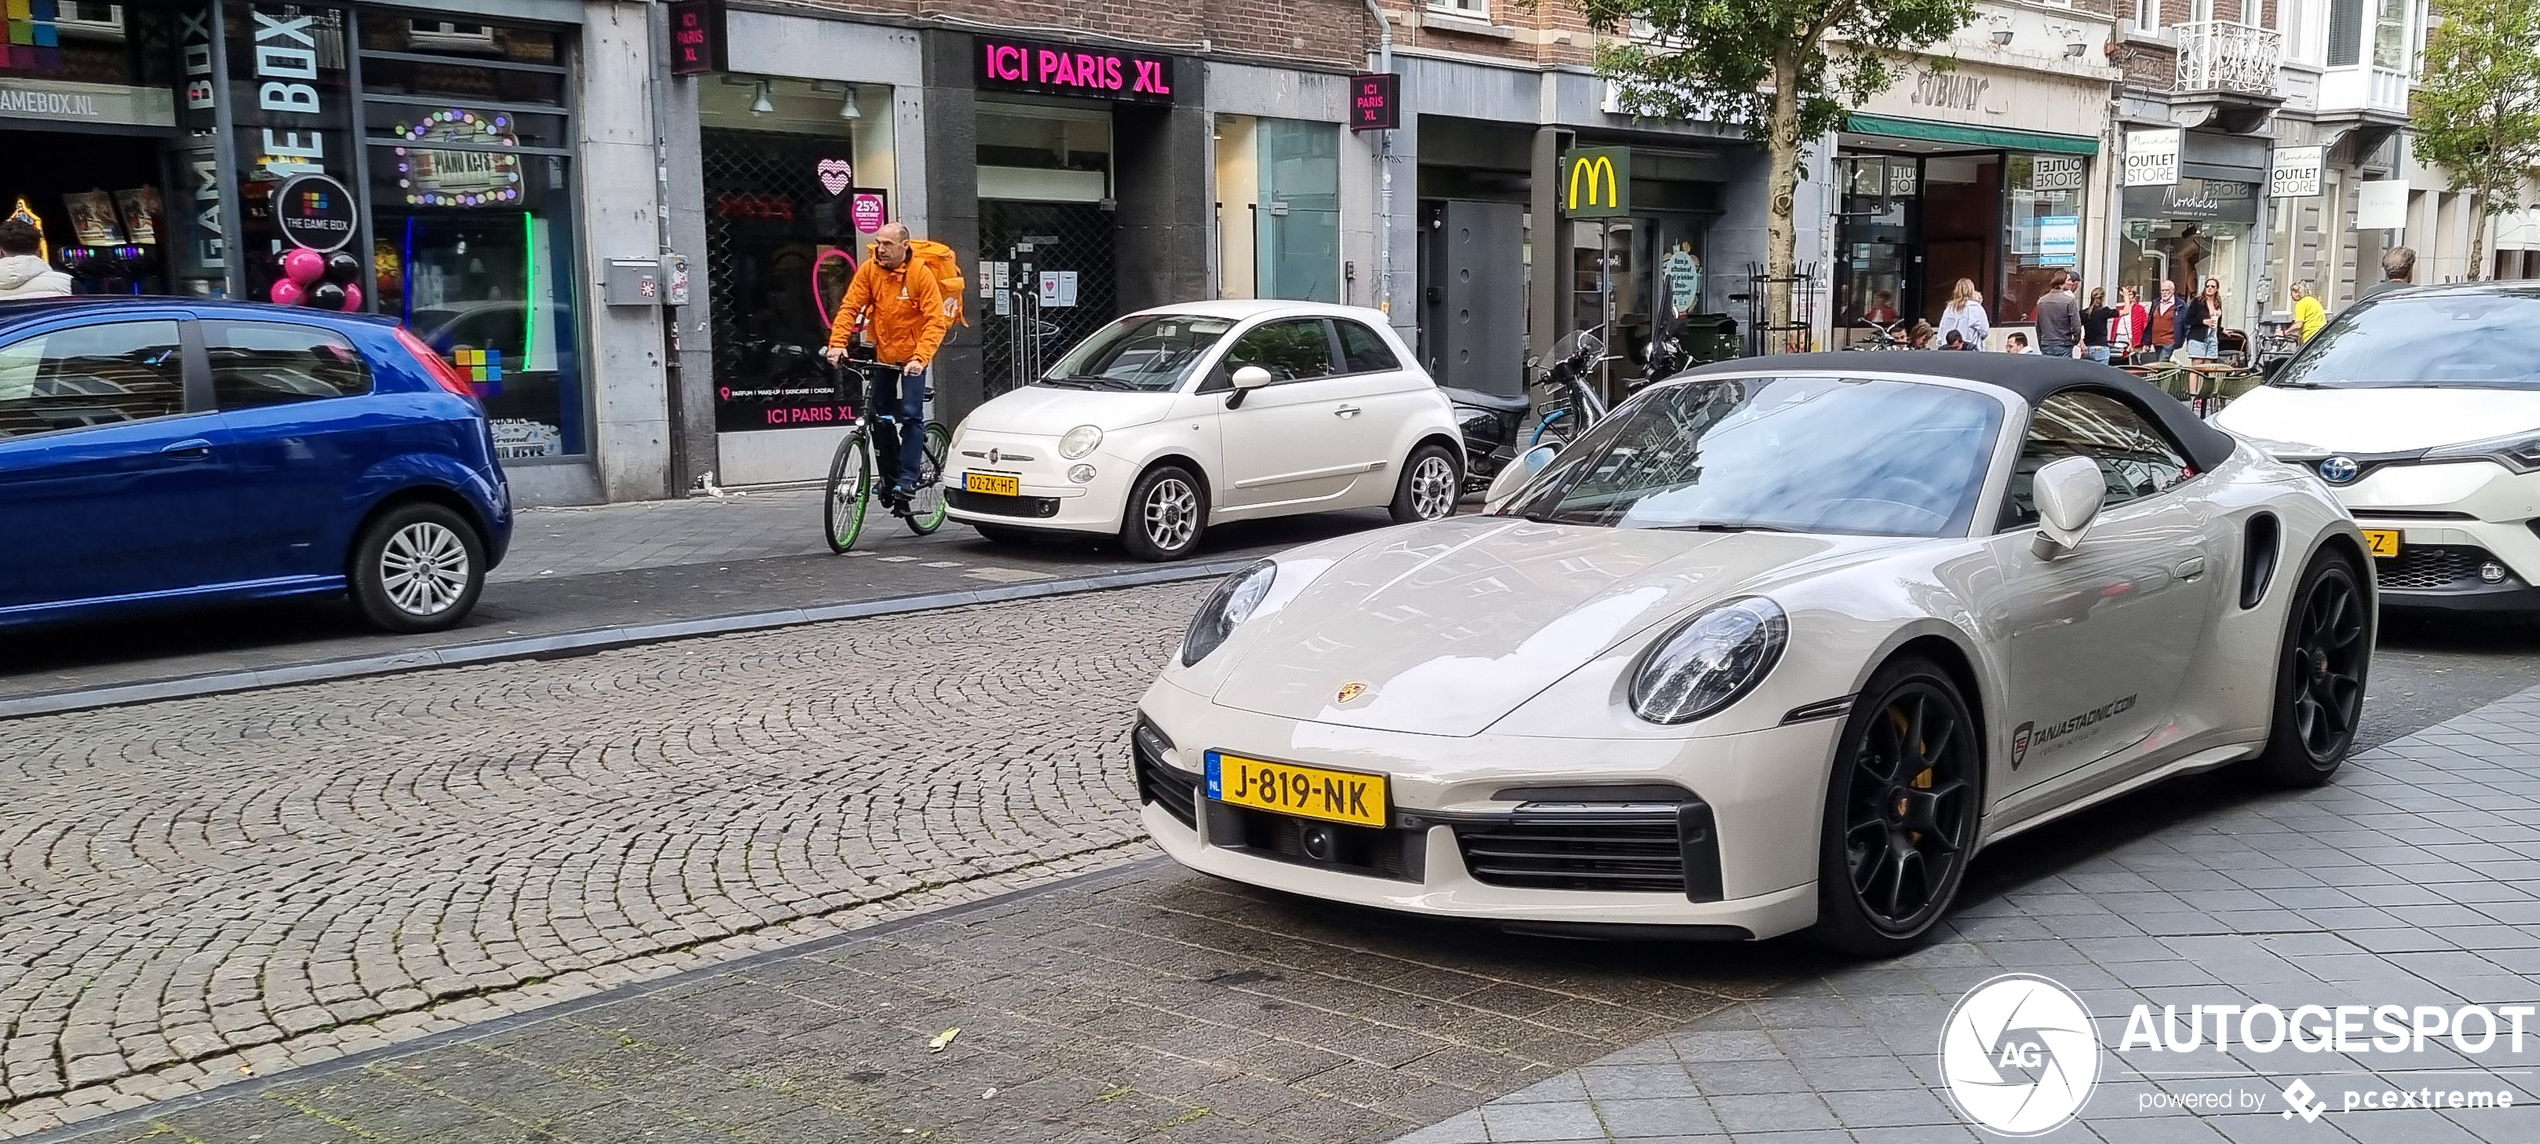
[890,246]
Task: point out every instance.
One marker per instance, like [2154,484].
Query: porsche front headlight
[1079,441]
[1226,608]
[1709,661]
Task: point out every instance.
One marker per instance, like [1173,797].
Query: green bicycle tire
[849,493]
[926,508]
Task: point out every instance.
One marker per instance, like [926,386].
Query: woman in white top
[1965,314]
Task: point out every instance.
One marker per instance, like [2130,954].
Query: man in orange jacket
[909,321]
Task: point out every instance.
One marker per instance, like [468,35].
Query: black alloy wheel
[2319,698]
[1900,812]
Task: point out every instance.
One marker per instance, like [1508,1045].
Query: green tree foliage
[2477,109]
[1787,70]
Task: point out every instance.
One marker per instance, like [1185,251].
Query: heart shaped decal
[835,174]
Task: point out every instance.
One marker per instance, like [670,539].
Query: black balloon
[342,267]
[326,296]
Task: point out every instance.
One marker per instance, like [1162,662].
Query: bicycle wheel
[850,490]
[1545,426]
[926,502]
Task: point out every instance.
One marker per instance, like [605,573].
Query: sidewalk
[2413,880]
[578,578]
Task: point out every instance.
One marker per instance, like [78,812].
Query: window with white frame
[2147,15]
[1469,9]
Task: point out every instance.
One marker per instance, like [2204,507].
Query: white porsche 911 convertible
[1777,646]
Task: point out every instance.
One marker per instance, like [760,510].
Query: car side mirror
[1246,380]
[2069,493]
[1517,474]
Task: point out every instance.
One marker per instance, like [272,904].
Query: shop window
[473,216]
[2044,230]
[280,363]
[90,375]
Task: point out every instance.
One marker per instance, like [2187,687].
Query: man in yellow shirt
[2308,314]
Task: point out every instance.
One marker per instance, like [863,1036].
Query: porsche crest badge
[1350,691]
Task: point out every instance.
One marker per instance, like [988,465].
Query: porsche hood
[1444,628]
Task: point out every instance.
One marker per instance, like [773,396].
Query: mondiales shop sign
[1075,69]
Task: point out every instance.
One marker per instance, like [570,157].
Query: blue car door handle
[189,447]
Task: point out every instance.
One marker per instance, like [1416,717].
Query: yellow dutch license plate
[1308,792]
[993,484]
[2382,541]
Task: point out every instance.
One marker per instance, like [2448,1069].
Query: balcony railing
[2217,55]
[2364,88]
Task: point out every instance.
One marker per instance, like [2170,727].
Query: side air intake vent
[2258,557]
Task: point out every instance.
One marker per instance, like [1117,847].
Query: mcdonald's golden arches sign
[1596,182]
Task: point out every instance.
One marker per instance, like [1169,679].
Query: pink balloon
[286,292]
[352,298]
[304,266]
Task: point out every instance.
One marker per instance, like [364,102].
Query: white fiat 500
[2421,409]
[1172,420]
[1776,646]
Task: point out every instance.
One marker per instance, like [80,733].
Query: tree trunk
[1781,229]
[2478,242]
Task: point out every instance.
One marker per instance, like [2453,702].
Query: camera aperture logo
[2020,1055]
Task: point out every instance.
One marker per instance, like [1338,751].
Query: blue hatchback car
[170,452]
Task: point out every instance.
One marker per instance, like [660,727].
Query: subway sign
[1596,182]
[1074,69]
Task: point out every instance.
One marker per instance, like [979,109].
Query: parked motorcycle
[1496,429]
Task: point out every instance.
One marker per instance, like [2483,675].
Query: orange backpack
[938,259]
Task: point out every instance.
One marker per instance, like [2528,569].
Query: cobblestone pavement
[1143,1004]
[2413,880]
[203,888]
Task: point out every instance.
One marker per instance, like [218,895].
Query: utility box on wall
[1472,310]
[633,282]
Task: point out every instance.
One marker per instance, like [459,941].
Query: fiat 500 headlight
[1227,608]
[1079,441]
[1709,661]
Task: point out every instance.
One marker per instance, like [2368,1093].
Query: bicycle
[1882,336]
[852,472]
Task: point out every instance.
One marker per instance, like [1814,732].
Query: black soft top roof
[2033,377]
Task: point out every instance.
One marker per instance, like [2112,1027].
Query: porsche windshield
[1142,351]
[1781,454]
[2488,338]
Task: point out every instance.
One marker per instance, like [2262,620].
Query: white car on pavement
[2421,409]
[1172,420]
[1774,647]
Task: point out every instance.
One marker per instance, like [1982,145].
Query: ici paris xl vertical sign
[1074,69]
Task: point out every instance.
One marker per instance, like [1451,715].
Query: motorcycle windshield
[1577,344]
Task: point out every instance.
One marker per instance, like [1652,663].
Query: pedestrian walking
[2398,269]
[909,321]
[23,271]
[2095,320]
[1964,316]
[2160,329]
[2308,314]
[2058,317]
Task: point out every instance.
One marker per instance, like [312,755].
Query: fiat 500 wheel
[1901,810]
[418,568]
[1429,487]
[1167,512]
